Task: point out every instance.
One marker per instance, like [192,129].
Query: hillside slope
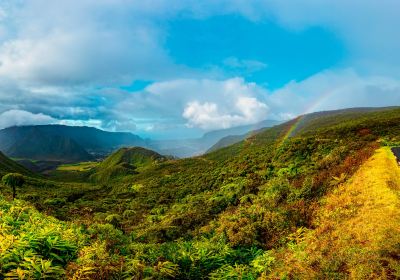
[126,161]
[226,141]
[357,228]
[93,139]
[38,146]
[9,166]
[233,139]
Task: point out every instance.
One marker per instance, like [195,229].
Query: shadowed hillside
[9,166]
[37,146]
[62,143]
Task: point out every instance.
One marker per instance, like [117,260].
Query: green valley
[199,140]
[313,198]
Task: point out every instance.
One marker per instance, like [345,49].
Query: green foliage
[230,214]
[113,219]
[32,245]
[55,202]
[9,166]
[34,267]
[96,261]
[13,180]
[263,263]
[124,162]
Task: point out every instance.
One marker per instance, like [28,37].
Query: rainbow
[296,122]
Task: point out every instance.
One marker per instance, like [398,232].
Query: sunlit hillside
[356,231]
[313,198]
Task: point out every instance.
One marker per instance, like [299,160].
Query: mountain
[325,117]
[316,197]
[232,139]
[63,143]
[184,148]
[227,141]
[36,145]
[126,161]
[93,139]
[239,130]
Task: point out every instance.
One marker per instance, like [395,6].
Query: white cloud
[56,57]
[203,103]
[88,42]
[120,125]
[247,65]
[247,110]
[331,90]
[213,104]
[20,117]
[126,37]
[103,42]
[90,122]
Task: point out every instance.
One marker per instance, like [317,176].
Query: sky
[169,69]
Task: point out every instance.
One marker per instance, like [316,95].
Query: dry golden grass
[82,166]
[357,229]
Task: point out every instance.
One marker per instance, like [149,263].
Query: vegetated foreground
[357,229]
[315,198]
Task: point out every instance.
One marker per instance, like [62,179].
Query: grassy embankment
[357,229]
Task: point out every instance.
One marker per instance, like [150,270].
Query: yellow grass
[357,229]
[82,166]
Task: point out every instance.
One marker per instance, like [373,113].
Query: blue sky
[176,69]
[281,55]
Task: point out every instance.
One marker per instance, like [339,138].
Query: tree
[13,180]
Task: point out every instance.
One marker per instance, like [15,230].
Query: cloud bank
[19,118]
[69,61]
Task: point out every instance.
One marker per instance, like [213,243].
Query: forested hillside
[313,198]
[125,161]
[9,166]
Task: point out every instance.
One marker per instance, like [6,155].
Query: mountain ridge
[62,143]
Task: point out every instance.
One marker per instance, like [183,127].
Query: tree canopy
[13,180]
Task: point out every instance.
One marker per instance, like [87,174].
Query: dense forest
[313,198]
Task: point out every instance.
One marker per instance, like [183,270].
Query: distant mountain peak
[63,143]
